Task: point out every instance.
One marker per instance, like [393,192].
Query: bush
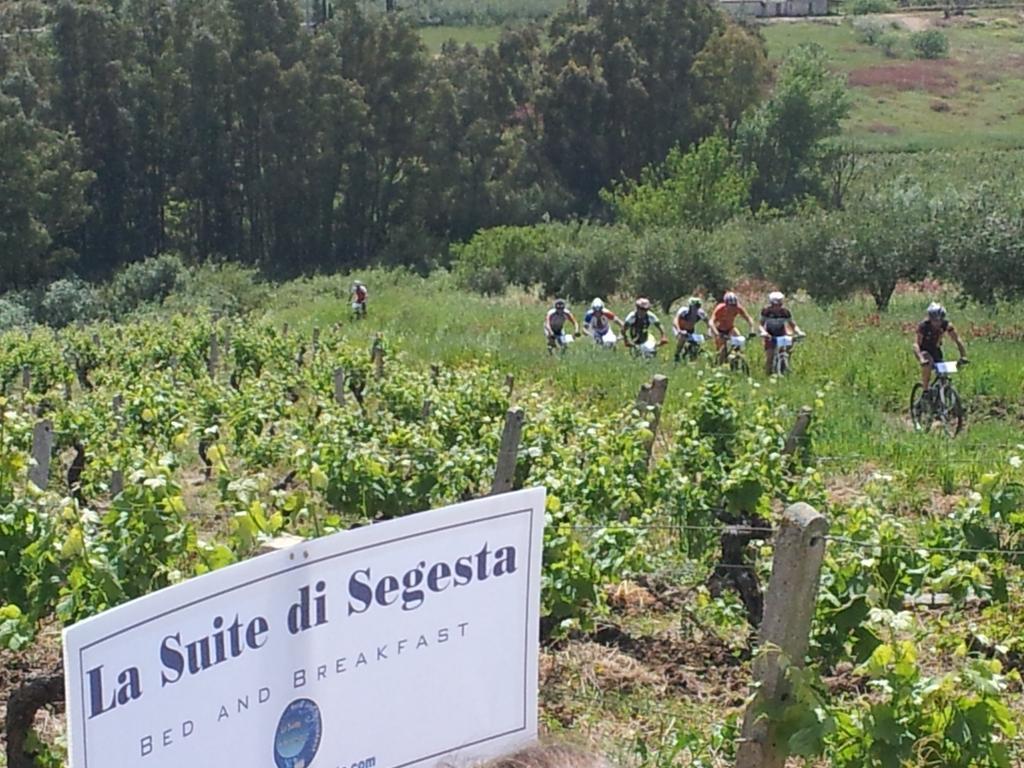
[701,188]
[930,44]
[67,301]
[665,264]
[13,314]
[870,31]
[151,280]
[891,44]
[574,260]
[223,289]
[861,7]
[501,255]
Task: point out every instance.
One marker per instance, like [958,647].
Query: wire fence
[768,533]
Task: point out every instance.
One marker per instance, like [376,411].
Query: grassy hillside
[972,98]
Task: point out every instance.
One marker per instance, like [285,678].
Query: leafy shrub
[67,301]
[701,188]
[665,264]
[980,241]
[930,44]
[576,260]
[151,280]
[223,289]
[13,314]
[870,31]
[861,7]
[512,252]
[891,45]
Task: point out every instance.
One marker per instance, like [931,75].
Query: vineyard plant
[184,443]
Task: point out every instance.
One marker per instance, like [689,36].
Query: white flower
[1015,462]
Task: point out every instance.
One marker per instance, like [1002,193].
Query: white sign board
[401,644]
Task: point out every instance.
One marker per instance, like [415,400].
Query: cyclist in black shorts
[928,344]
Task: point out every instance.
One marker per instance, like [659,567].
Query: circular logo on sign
[298,734]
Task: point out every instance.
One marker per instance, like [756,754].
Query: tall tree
[93,98]
[784,137]
[621,89]
[42,196]
[385,57]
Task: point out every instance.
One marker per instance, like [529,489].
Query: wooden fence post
[428,406]
[435,373]
[785,631]
[653,396]
[26,379]
[798,433]
[505,472]
[510,384]
[116,475]
[339,386]
[42,447]
[377,355]
[316,339]
[214,359]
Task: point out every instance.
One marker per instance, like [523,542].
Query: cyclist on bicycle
[776,321]
[638,323]
[685,323]
[723,322]
[928,344]
[554,322]
[598,320]
[358,296]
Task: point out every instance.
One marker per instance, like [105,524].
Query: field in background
[973,98]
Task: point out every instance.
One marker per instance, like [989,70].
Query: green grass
[975,97]
[436,37]
[857,374]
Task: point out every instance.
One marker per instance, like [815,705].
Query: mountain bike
[358,310]
[560,342]
[606,340]
[693,347]
[648,349]
[734,356]
[940,403]
[783,348]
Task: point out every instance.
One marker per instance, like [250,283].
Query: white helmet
[597,305]
[731,298]
[936,310]
[776,297]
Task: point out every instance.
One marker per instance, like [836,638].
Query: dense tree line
[227,129]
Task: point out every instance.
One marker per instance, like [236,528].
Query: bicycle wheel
[739,363]
[919,416]
[951,413]
[780,365]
